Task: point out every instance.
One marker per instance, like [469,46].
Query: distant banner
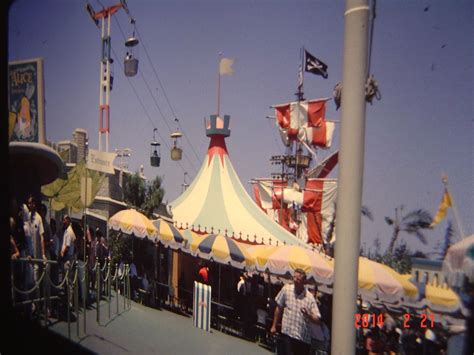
[202,306]
[101,161]
[26,101]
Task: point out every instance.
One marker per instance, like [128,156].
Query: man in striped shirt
[299,308]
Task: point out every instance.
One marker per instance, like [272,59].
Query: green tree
[448,240]
[121,245]
[154,196]
[412,223]
[134,190]
[399,261]
[142,195]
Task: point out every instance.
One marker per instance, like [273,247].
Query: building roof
[421,263]
[216,201]
[81,130]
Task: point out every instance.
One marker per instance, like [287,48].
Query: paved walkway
[144,330]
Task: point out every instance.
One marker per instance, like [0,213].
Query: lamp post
[122,153]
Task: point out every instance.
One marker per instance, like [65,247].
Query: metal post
[125,270]
[68,305]
[129,291]
[85,294]
[455,210]
[97,292]
[45,294]
[117,287]
[351,155]
[108,285]
[13,266]
[76,298]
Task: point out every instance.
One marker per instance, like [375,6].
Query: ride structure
[106,78]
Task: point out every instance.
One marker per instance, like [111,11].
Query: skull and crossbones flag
[314,65]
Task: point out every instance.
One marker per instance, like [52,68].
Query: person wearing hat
[298,308]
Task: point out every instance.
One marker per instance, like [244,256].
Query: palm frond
[367,213]
[422,217]
[421,237]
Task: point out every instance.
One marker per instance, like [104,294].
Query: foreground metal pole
[97,294]
[76,298]
[351,167]
[125,288]
[109,291]
[129,293]
[68,306]
[46,299]
[117,287]
[85,294]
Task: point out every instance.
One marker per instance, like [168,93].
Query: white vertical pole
[455,210]
[351,168]
[218,92]
[107,96]
[101,86]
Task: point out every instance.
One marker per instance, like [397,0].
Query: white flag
[225,66]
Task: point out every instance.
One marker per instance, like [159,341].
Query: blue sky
[422,58]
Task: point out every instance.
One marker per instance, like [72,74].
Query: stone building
[79,136]
[68,151]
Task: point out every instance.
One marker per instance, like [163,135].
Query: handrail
[35,260]
[36,286]
[72,280]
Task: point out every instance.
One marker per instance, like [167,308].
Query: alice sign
[26,101]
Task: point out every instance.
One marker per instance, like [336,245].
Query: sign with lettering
[101,161]
[26,101]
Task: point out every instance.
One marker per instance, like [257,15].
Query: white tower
[104,17]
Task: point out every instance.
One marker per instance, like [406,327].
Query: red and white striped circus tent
[216,201]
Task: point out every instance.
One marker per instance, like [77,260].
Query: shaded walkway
[144,330]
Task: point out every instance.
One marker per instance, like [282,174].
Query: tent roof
[217,202]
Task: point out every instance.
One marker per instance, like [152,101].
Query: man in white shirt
[34,236]
[299,310]
[34,231]
[69,238]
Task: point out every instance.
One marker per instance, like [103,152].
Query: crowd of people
[39,246]
[294,318]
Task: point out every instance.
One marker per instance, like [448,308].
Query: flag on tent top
[314,65]
[225,66]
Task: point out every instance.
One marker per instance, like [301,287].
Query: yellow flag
[443,207]
[225,66]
